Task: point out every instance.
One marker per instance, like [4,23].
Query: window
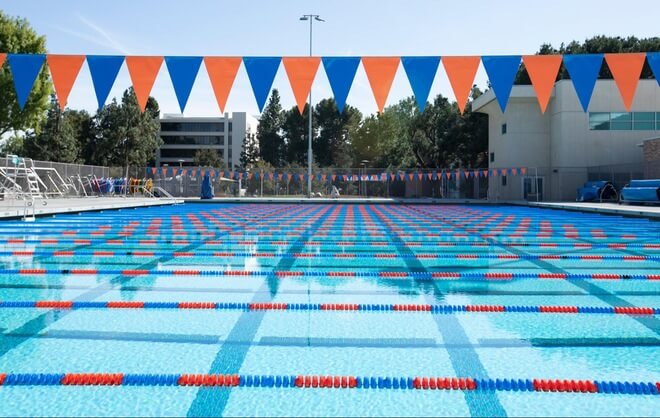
[503,128]
[599,121]
[622,121]
[192,126]
[193,140]
[503,180]
[492,157]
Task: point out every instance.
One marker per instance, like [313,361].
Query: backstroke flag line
[583,69]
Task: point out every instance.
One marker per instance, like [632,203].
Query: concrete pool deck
[11,208]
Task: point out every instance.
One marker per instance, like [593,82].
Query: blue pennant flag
[104,70]
[501,72]
[341,72]
[653,59]
[421,73]
[257,176]
[583,70]
[25,70]
[183,72]
[261,71]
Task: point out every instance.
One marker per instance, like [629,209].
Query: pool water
[375,293]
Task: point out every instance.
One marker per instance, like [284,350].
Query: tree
[208,157]
[271,143]
[294,131]
[16,36]
[123,135]
[332,144]
[250,151]
[56,140]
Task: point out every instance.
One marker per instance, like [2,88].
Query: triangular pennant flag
[653,59]
[231,174]
[143,72]
[212,173]
[523,171]
[461,72]
[504,172]
[457,174]
[542,70]
[324,177]
[341,73]
[203,173]
[334,177]
[448,174]
[438,175]
[466,174]
[270,176]
[484,173]
[183,72]
[411,176]
[475,174]
[430,176]
[420,176]
[153,170]
[583,70]
[250,176]
[345,177]
[494,173]
[261,71]
[300,177]
[288,177]
[301,72]
[421,73]
[104,70]
[222,73]
[163,171]
[380,72]
[25,69]
[626,69]
[514,171]
[392,177]
[501,72]
[64,70]
[3,56]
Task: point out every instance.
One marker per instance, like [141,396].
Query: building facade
[565,146]
[184,136]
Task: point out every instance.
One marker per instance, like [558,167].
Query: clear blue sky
[352,27]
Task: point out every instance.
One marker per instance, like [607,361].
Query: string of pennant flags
[626,69]
[334,177]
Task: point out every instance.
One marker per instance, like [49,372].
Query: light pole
[311,19]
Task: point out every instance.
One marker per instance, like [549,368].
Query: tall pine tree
[269,132]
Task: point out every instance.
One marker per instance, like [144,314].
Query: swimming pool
[327,310]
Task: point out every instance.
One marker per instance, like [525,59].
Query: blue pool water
[305,255]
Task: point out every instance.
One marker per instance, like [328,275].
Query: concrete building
[565,147]
[184,136]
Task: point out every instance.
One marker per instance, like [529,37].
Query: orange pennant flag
[270,176]
[494,173]
[626,69]
[514,171]
[466,174]
[380,72]
[542,70]
[523,171]
[289,176]
[485,173]
[411,176]
[430,176]
[64,70]
[2,59]
[420,176]
[153,170]
[143,71]
[504,171]
[324,177]
[222,73]
[461,72]
[250,176]
[334,177]
[301,72]
[448,174]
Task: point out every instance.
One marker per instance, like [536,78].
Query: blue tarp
[642,191]
[595,190]
[207,188]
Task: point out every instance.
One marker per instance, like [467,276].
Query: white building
[565,147]
[184,136]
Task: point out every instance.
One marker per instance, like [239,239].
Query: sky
[351,28]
